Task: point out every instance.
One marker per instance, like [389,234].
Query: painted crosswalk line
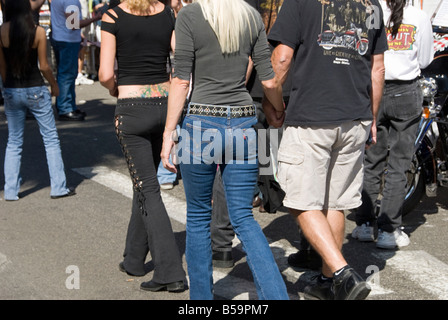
[4,262]
[421,268]
[121,183]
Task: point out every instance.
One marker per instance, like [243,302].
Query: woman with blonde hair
[214,40]
[138,34]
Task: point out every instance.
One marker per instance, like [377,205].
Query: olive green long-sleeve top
[218,78]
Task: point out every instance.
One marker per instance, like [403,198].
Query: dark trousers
[397,126]
[139,125]
[66,54]
[221,229]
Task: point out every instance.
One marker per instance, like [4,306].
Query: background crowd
[231,65]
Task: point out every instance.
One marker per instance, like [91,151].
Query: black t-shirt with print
[333,43]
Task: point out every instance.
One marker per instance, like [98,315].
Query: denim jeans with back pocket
[38,101]
[205,142]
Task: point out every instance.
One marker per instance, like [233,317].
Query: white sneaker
[167,186]
[363,233]
[391,240]
[82,79]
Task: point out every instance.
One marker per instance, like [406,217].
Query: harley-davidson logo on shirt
[404,38]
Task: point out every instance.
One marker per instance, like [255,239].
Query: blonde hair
[140,6]
[229,20]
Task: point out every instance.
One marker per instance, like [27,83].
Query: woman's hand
[169,137]
[114,91]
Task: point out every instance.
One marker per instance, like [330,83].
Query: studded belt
[221,111]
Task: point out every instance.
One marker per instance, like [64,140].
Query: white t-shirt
[62,28]
[413,47]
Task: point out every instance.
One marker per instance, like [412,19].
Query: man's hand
[275,118]
[54,89]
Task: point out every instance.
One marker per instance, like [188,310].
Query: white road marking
[4,261]
[122,183]
[234,288]
[422,268]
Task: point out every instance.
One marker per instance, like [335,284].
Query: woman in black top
[138,34]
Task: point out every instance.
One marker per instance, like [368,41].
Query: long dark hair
[21,34]
[396,17]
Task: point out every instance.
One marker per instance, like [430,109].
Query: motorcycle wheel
[362,46]
[415,186]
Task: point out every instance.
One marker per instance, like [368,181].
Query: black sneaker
[306,259]
[348,285]
[321,290]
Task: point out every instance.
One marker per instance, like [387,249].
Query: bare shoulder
[40,32]
[40,37]
[108,18]
[4,34]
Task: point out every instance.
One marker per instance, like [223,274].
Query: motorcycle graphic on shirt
[344,25]
[350,39]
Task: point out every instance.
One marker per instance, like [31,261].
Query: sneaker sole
[395,246]
[385,246]
[365,239]
[360,292]
[310,297]
[169,288]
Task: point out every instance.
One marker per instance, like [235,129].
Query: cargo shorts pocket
[288,163]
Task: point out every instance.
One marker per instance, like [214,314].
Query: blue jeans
[66,54]
[207,141]
[38,101]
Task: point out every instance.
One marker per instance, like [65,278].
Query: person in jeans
[398,120]
[214,40]
[66,25]
[140,35]
[23,61]
[335,94]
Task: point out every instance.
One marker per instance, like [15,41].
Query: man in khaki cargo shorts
[335,94]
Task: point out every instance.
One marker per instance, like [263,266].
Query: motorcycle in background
[428,169]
